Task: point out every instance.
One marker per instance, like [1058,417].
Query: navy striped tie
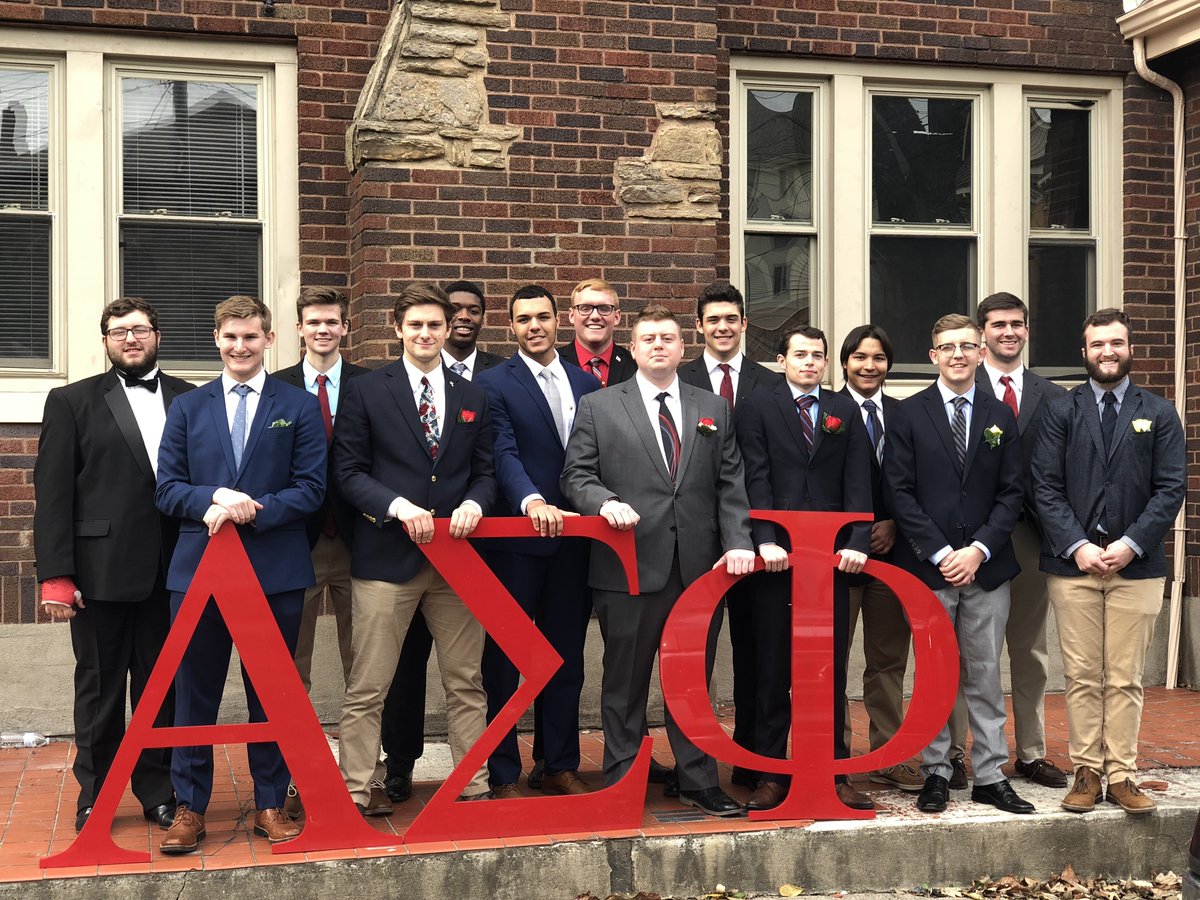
[958,425]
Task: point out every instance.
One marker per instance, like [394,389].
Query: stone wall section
[679,175]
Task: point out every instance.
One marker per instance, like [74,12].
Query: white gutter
[1180,237]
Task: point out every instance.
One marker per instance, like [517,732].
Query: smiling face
[657,349]
[595,315]
[535,326]
[464,327]
[804,363]
[131,354]
[867,367]
[1005,332]
[957,354]
[243,343]
[722,326]
[322,328]
[423,332]
[1107,353]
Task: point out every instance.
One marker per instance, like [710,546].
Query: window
[182,179]
[885,193]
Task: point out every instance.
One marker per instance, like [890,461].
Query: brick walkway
[38,791]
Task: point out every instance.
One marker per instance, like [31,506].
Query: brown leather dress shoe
[185,833]
[853,798]
[505,792]
[564,783]
[1130,798]
[275,826]
[1085,793]
[767,795]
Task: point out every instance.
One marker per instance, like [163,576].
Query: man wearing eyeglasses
[101,546]
[954,470]
[595,312]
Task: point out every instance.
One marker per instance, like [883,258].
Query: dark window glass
[779,168]
[186,270]
[914,282]
[778,289]
[24,139]
[1062,288]
[1059,168]
[921,160]
[24,290]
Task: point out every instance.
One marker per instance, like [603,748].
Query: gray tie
[237,434]
[554,398]
[459,368]
[958,425]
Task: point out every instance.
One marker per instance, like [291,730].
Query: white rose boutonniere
[992,436]
[1142,426]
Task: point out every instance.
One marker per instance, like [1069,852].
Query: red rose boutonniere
[832,424]
[706,426]
[466,415]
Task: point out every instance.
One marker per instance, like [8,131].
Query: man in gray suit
[1004,319]
[658,456]
[1109,474]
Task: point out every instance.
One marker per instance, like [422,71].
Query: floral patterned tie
[428,413]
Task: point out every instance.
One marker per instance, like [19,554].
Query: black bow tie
[150,384]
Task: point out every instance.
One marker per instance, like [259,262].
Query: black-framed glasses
[586,309]
[141,332]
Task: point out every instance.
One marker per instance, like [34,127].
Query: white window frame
[841,285]
[85,183]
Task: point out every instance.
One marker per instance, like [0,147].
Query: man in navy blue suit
[533,398]
[250,450]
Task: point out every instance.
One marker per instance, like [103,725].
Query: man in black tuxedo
[403,729]
[953,467]
[866,358]
[805,449]
[725,370]
[595,313]
[414,442]
[323,319]
[102,549]
[1110,474]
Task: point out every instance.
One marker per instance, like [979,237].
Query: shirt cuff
[393,510]
[937,558]
[1070,551]
[987,554]
[474,504]
[530,499]
[1132,545]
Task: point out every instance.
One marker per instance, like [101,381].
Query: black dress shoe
[81,818]
[713,801]
[958,780]
[162,815]
[671,784]
[398,787]
[744,778]
[658,772]
[935,795]
[538,772]
[1043,772]
[1002,796]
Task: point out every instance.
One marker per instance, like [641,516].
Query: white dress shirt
[150,412]
[332,386]
[650,394]
[878,401]
[469,362]
[1017,376]
[815,410]
[716,376]
[231,399]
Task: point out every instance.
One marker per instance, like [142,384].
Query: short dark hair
[123,306]
[808,331]
[466,287]
[720,292]
[322,296]
[421,293]
[1000,300]
[240,306]
[866,333]
[1102,317]
[530,292]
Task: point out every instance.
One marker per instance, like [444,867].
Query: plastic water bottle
[12,739]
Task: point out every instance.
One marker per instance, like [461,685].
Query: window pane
[1059,168]
[189,148]
[779,167]
[24,138]
[914,282]
[24,290]
[778,288]
[921,160]
[1062,292]
[185,271]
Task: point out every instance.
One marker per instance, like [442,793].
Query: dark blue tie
[1108,420]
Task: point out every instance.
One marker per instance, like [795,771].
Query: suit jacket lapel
[636,409]
[454,403]
[262,415]
[216,406]
[400,389]
[690,410]
[118,404]
[1129,408]
[1031,396]
[936,410]
[791,415]
[525,378]
[980,419]
[1086,402]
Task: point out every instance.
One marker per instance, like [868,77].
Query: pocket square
[281,423]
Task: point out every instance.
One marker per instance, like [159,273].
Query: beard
[147,364]
[1099,377]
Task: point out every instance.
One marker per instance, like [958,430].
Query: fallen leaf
[790,890]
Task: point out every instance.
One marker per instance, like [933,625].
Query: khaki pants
[1104,628]
[886,640]
[331,563]
[382,612]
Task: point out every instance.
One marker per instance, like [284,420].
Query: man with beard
[1109,478]
[102,547]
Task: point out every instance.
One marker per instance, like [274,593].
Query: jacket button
[433,478]
[964,493]
[433,512]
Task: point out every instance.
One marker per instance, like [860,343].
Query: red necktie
[595,366]
[726,384]
[1010,396]
[329,527]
